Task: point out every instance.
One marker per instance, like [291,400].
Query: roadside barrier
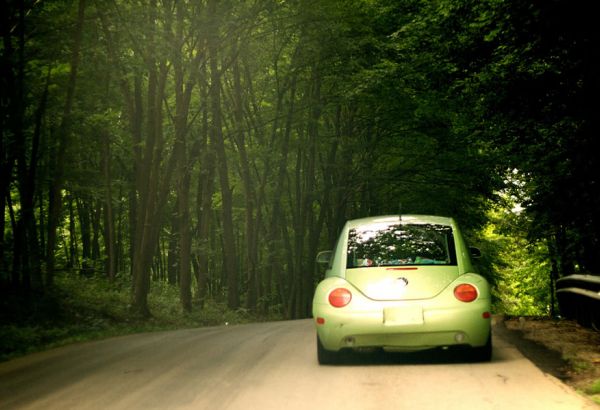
[579,299]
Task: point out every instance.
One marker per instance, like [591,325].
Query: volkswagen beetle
[401,283]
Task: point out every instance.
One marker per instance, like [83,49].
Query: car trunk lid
[402,282]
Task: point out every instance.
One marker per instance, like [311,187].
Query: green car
[401,283]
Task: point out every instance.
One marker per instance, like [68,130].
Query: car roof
[416,219]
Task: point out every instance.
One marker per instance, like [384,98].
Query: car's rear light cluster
[466,292]
[340,297]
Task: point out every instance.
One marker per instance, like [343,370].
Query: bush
[83,308]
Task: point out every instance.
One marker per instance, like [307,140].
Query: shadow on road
[427,357]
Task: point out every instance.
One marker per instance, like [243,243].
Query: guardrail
[579,299]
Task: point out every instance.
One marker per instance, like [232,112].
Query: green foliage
[328,110]
[593,388]
[521,269]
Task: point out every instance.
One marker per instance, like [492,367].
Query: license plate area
[403,316]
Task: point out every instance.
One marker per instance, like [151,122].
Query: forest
[213,147]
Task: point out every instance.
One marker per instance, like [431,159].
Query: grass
[80,309]
[594,388]
[593,391]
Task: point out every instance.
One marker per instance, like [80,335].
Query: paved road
[269,366]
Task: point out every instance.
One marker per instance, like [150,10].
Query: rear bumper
[459,324]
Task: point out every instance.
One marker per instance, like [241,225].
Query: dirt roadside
[561,348]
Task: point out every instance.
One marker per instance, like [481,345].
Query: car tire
[325,356]
[483,353]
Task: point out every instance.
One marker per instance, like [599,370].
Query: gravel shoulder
[561,348]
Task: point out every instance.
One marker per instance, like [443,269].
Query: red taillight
[465,292]
[340,297]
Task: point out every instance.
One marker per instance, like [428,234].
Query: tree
[219,145]
[525,71]
[55,195]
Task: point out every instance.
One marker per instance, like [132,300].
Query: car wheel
[325,356]
[483,353]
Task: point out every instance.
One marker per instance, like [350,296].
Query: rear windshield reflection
[400,244]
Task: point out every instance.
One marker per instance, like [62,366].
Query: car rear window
[400,244]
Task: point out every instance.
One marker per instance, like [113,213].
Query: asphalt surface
[270,366]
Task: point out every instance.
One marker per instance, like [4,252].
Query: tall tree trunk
[26,250]
[276,236]
[218,140]
[109,219]
[85,224]
[152,180]
[312,224]
[185,243]
[8,89]
[206,179]
[96,215]
[204,215]
[259,193]
[185,157]
[13,149]
[73,257]
[136,118]
[250,244]
[173,250]
[277,232]
[57,182]
[153,185]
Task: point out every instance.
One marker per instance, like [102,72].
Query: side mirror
[475,252]
[324,257]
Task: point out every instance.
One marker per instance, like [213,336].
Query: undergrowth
[88,308]
[593,391]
